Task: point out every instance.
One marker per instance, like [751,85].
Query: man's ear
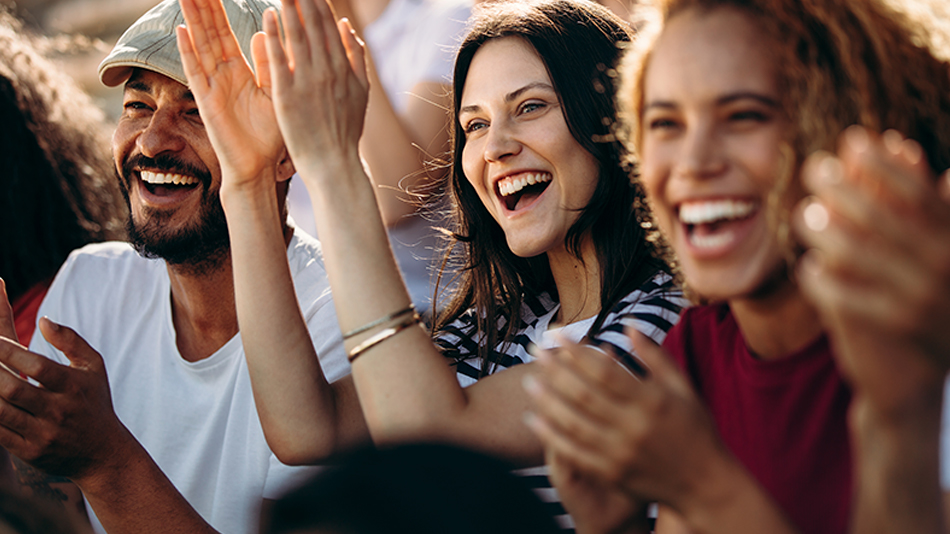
[285,169]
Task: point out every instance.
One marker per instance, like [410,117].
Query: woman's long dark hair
[58,189]
[580,43]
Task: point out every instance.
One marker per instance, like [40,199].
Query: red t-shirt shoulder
[784,419]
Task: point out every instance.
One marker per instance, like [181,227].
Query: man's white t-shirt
[197,420]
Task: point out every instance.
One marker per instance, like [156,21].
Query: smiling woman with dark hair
[548,223]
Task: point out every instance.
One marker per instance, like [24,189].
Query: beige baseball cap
[150,42]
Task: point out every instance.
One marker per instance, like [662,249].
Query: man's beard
[198,248]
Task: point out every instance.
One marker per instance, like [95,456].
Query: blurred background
[82,33]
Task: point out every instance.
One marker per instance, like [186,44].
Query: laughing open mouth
[521,189]
[160,183]
[707,222]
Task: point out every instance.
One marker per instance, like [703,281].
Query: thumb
[659,364]
[7,324]
[72,345]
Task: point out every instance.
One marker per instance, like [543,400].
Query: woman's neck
[778,323]
[578,283]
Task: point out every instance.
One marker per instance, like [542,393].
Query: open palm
[235,106]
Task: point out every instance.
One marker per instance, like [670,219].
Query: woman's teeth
[713,211]
[513,184]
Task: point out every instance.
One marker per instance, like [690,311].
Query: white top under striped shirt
[653,309]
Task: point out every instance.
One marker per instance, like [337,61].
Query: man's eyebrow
[189,96]
[138,85]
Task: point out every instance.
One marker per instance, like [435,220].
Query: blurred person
[784,408]
[544,212]
[58,192]
[151,413]
[411,46]
[413,488]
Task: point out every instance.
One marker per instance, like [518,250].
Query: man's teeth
[158,178]
[711,211]
[513,184]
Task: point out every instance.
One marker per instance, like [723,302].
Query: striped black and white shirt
[653,309]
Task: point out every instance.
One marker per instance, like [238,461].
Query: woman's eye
[528,107]
[661,124]
[749,115]
[473,126]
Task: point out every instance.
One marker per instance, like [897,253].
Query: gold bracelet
[383,335]
[377,322]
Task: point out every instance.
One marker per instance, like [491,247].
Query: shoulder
[653,308]
[102,266]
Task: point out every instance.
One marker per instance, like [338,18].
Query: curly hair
[580,43]
[881,64]
[58,188]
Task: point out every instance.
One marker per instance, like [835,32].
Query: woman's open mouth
[520,190]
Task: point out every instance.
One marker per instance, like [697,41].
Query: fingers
[334,51]
[297,42]
[566,447]
[74,347]
[355,52]
[16,391]
[261,62]
[7,323]
[197,79]
[891,167]
[662,368]
[205,49]
[277,58]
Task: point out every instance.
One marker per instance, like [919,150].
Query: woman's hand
[596,507]
[650,436]
[878,268]
[235,106]
[320,85]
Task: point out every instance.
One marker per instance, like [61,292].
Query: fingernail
[531,385]
[530,419]
[53,325]
[893,141]
[912,151]
[830,170]
[816,216]
[857,138]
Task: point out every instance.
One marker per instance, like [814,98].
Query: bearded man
[160,432]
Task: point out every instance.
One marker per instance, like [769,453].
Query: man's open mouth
[159,183]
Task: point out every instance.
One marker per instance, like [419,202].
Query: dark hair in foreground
[58,191]
[580,43]
[417,489]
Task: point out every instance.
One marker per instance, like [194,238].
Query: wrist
[105,474]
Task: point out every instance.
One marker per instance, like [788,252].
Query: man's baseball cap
[150,42]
